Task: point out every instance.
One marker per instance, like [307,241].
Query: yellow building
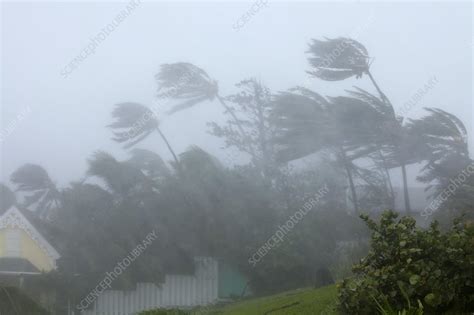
[23,250]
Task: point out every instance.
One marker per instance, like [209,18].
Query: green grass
[298,302]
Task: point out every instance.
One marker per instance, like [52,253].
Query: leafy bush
[407,263]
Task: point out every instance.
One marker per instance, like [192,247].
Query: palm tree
[33,180]
[308,124]
[447,152]
[190,85]
[342,58]
[134,123]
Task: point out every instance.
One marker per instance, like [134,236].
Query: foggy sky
[64,119]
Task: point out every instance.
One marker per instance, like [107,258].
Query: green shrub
[406,263]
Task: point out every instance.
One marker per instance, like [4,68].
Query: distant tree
[40,190]
[253,101]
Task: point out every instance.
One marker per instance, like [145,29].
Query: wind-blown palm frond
[186,83]
[443,131]
[338,59]
[303,123]
[446,137]
[134,122]
[33,180]
[200,168]
[121,177]
[383,108]
[356,120]
[196,158]
[149,162]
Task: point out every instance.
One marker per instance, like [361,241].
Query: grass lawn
[298,302]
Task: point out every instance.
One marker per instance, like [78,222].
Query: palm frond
[337,59]
[186,83]
[121,177]
[133,123]
[149,162]
[33,180]
[303,123]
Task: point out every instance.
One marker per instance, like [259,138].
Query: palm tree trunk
[175,157]
[403,166]
[405,189]
[382,94]
[351,181]
[389,179]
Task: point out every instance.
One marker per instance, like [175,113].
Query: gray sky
[59,122]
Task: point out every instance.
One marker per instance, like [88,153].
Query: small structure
[23,250]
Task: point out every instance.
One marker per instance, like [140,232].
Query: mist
[198,130]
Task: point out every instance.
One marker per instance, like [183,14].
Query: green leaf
[414,279]
[430,299]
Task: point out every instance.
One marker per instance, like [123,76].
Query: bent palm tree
[341,58]
[307,124]
[190,85]
[134,122]
[448,153]
[35,181]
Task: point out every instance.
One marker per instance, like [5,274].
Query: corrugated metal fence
[181,291]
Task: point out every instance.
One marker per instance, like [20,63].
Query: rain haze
[410,44]
[177,141]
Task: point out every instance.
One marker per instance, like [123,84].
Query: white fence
[180,291]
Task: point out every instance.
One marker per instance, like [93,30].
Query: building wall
[29,249]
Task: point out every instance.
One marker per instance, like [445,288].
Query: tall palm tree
[134,122]
[391,142]
[33,180]
[190,85]
[308,124]
[342,58]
